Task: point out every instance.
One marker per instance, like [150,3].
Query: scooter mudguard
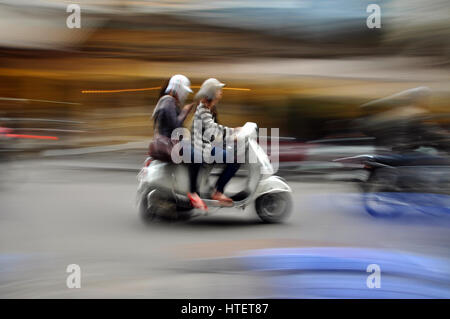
[272,184]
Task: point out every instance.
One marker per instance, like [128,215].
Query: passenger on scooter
[205,120]
[167,114]
[167,117]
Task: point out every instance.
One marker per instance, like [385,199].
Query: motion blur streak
[118,91]
[150,89]
[38,137]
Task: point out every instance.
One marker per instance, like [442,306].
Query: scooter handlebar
[247,130]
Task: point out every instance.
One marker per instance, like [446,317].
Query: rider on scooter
[205,120]
[167,117]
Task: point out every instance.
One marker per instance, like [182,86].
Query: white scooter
[163,186]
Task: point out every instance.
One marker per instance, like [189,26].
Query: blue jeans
[226,175]
[229,170]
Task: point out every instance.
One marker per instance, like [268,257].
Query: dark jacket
[168,116]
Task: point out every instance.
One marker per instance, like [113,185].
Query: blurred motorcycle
[400,183]
[163,186]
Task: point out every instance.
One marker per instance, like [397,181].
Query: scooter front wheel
[274,207]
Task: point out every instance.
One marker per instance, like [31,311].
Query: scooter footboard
[272,184]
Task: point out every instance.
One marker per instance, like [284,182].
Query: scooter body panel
[166,175]
[271,184]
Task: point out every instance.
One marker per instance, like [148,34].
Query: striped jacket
[207,133]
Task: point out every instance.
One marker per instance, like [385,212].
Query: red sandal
[197,202]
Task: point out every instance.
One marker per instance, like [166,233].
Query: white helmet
[209,89]
[180,85]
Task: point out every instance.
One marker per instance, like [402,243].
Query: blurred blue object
[333,272]
[393,204]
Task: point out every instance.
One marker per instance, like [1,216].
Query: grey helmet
[209,89]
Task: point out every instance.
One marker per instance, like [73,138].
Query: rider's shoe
[224,200]
[197,202]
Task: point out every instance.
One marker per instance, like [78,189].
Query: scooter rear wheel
[146,212]
[162,209]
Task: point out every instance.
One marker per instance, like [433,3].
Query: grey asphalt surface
[55,215]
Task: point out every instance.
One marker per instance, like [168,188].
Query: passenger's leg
[194,169]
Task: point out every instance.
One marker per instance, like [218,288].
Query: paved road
[53,216]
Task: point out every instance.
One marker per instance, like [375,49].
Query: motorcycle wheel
[273,207]
[381,204]
[382,200]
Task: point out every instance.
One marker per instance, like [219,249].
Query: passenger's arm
[173,119]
